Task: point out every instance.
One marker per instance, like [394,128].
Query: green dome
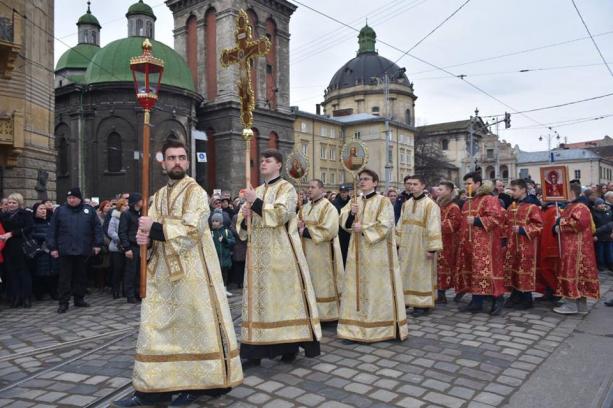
[140,8]
[112,63]
[367,39]
[77,57]
[88,18]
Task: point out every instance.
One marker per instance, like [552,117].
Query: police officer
[74,235]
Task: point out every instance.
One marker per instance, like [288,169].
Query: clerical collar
[369,195]
[317,200]
[273,181]
[419,197]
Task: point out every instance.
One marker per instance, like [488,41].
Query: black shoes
[136,401]
[497,306]
[81,303]
[472,307]
[288,357]
[252,362]
[115,295]
[458,297]
[27,303]
[185,398]
[441,298]
[419,311]
[63,308]
[132,300]
[609,302]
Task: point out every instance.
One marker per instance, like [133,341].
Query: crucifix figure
[244,53]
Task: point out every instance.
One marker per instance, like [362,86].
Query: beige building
[495,158]
[369,99]
[27,158]
[582,164]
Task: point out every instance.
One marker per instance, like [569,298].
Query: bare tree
[430,160]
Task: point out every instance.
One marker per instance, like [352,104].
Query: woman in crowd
[116,253]
[17,223]
[44,266]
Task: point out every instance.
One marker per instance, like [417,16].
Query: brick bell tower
[202,29]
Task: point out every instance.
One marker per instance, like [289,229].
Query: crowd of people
[100,249]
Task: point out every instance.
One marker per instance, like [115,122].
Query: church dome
[140,8]
[366,66]
[88,18]
[78,57]
[112,63]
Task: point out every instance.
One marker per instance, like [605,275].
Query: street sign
[201,157]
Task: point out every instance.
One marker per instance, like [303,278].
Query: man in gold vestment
[419,238]
[186,342]
[318,227]
[372,306]
[279,307]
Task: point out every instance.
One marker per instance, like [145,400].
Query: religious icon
[354,156]
[297,165]
[554,181]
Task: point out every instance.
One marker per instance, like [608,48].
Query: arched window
[504,170]
[139,27]
[114,153]
[149,29]
[273,140]
[407,116]
[445,144]
[94,40]
[490,172]
[211,54]
[63,157]
[271,65]
[191,46]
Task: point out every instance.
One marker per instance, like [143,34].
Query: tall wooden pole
[356,240]
[145,194]
[247,135]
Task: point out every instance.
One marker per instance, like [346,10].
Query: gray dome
[364,68]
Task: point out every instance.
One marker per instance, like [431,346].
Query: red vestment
[579,274]
[480,269]
[451,218]
[548,266]
[521,256]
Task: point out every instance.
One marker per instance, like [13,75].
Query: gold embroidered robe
[323,254]
[372,306]
[279,304]
[418,232]
[186,338]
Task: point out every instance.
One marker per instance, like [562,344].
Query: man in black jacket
[340,201]
[74,235]
[402,197]
[128,226]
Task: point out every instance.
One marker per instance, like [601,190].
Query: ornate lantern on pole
[147,72]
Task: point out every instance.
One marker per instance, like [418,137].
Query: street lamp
[147,73]
[549,135]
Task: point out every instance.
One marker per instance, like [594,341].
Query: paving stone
[435,385]
[410,402]
[461,392]
[383,395]
[499,389]
[258,398]
[386,383]
[51,396]
[310,400]
[444,400]
[278,403]
[358,388]
[411,390]
[388,372]
[77,400]
[345,372]
[269,386]
[489,398]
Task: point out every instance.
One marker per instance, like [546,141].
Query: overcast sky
[481,29]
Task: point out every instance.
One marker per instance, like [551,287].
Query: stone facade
[203,28]
[27,159]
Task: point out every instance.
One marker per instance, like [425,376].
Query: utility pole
[388,135]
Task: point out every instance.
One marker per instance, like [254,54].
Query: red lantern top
[147,72]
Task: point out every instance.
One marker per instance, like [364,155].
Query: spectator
[74,234]
[392,194]
[402,197]
[49,205]
[44,266]
[128,226]
[341,200]
[226,207]
[17,223]
[238,254]
[4,205]
[603,219]
[216,207]
[224,242]
[505,199]
[118,259]
[608,198]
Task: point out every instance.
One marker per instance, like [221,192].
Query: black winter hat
[75,192]
[134,198]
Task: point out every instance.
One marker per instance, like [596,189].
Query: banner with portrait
[554,183]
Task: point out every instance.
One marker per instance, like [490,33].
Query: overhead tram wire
[324,46]
[592,38]
[564,123]
[514,53]
[513,110]
[593,98]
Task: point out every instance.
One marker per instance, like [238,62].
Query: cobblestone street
[451,359]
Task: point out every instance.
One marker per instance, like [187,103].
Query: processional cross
[244,53]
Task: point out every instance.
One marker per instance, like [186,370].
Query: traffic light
[507,120]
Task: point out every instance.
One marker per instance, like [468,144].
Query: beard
[176,173]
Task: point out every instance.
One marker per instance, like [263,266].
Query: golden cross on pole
[244,53]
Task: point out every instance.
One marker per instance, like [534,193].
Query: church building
[98,123]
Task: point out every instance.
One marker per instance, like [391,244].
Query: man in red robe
[451,218]
[549,261]
[523,226]
[480,259]
[578,278]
